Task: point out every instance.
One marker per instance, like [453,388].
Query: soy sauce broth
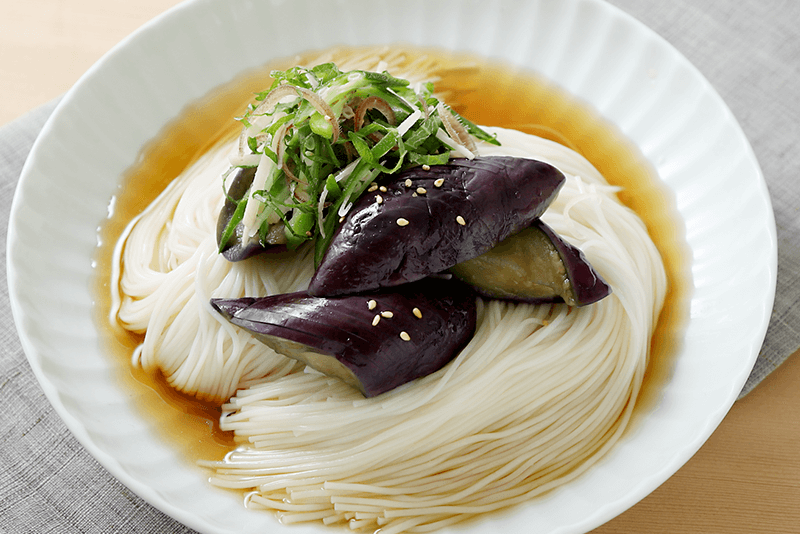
[485,92]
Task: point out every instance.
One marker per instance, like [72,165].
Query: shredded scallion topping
[319,137]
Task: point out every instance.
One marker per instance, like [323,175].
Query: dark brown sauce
[486,93]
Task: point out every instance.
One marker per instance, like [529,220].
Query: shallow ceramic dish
[628,74]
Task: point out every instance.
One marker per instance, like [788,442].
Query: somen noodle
[537,396]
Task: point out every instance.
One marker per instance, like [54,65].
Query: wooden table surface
[745,479]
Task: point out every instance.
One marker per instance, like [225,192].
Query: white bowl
[633,78]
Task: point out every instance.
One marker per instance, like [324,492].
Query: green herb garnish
[319,137]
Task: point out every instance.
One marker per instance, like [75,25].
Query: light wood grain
[47,45]
[745,479]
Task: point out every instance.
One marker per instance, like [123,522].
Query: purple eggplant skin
[537,266]
[407,332]
[234,250]
[587,285]
[426,219]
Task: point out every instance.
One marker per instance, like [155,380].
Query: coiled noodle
[538,395]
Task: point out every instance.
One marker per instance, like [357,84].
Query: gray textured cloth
[48,482]
[747,49]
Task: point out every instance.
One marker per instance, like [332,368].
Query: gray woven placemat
[48,481]
[747,49]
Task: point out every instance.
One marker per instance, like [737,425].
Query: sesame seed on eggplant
[374,341]
[535,265]
[431,218]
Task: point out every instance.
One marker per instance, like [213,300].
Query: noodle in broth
[538,395]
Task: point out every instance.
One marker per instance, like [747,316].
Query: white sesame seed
[417,313]
[387,314]
[373,187]
[376,320]
[402,222]
[379,199]
[383,189]
[439,182]
[426,167]
[409,183]
[460,220]
[371,304]
[421,190]
[404,336]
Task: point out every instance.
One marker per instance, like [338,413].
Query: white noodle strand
[537,396]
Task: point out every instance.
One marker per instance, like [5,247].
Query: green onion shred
[334,172]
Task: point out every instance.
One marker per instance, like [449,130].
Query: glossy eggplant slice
[373,341]
[534,265]
[427,219]
[232,248]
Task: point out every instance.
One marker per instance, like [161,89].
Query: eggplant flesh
[426,219]
[234,249]
[535,265]
[373,341]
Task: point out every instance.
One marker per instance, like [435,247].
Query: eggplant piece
[426,219]
[232,249]
[373,341]
[535,265]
